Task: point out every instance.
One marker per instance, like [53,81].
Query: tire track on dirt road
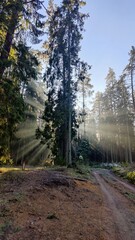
[120,211]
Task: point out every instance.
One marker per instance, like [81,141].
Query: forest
[49,112]
[67,151]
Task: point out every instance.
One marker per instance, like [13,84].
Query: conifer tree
[17,16]
[19,19]
[84,87]
[129,70]
[12,105]
[124,121]
[65,27]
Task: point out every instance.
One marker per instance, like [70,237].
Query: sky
[108,37]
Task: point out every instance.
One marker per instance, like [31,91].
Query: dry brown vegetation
[51,205]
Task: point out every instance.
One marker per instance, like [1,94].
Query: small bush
[5,161]
[124,164]
[120,171]
[131,177]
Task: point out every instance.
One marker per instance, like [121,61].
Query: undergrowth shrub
[120,171]
[131,176]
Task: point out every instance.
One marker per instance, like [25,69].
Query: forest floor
[53,205]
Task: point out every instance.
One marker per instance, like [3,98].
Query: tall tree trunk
[129,143]
[8,42]
[65,145]
[132,87]
[83,109]
[69,96]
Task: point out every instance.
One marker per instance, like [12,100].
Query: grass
[126,173]
[130,195]
[121,171]
[9,169]
[5,227]
[4,210]
[81,171]
[13,176]
[17,197]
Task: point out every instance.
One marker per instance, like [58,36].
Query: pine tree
[110,109]
[114,121]
[129,70]
[65,27]
[124,121]
[12,106]
[18,19]
[19,15]
[85,88]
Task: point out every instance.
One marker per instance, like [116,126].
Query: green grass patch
[29,168]
[9,169]
[120,171]
[126,173]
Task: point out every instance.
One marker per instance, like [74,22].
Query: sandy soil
[48,205]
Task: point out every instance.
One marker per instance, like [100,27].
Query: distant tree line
[113,116]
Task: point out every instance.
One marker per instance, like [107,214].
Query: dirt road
[48,205]
[119,207]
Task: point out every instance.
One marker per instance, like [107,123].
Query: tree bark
[8,42]
[132,88]
[69,96]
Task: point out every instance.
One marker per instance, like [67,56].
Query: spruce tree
[19,19]
[12,105]
[65,26]
[129,70]
[85,89]
[18,16]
